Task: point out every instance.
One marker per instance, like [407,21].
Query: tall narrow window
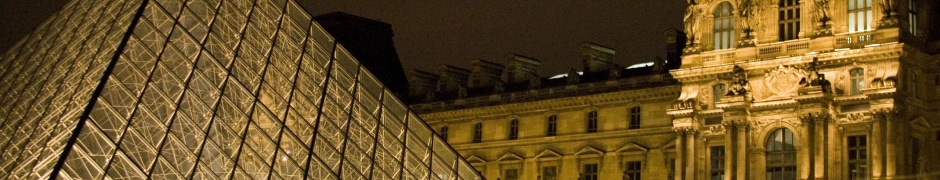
[912,16]
[858,158]
[724,26]
[590,172]
[552,126]
[789,19]
[443,133]
[549,173]
[717,162]
[781,155]
[514,129]
[511,174]
[718,91]
[857,78]
[478,132]
[635,117]
[634,168]
[592,122]
[914,83]
[859,15]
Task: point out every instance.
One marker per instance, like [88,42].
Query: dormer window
[724,26]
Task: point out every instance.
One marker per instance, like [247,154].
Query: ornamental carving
[782,82]
[714,130]
[854,118]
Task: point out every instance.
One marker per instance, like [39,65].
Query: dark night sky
[432,33]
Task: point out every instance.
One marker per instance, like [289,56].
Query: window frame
[590,175]
[788,20]
[636,115]
[787,156]
[717,93]
[723,27]
[856,81]
[633,170]
[592,122]
[717,162]
[513,129]
[552,127]
[443,133]
[913,12]
[854,145]
[864,12]
[477,133]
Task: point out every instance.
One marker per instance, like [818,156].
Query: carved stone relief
[782,82]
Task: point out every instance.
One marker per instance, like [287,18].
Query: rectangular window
[514,129]
[912,16]
[549,173]
[592,122]
[635,118]
[717,92]
[478,132]
[717,162]
[858,158]
[511,174]
[552,125]
[859,15]
[633,171]
[857,77]
[589,172]
[789,19]
[443,133]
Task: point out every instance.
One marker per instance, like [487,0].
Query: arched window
[478,132]
[789,20]
[443,133]
[781,155]
[858,81]
[724,26]
[514,129]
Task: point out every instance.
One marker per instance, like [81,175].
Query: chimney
[675,43]
[520,69]
[422,85]
[453,81]
[485,73]
[596,58]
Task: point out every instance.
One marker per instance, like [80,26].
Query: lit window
[552,125]
[718,91]
[912,16]
[590,172]
[717,162]
[592,122]
[859,15]
[478,132]
[443,133]
[724,26]
[857,78]
[511,174]
[549,173]
[635,117]
[514,129]
[634,168]
[858,158]
[789,19]
[781,155]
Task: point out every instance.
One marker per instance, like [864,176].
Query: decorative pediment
[589,151]
[510,158]
[632,148]
[783,82]
[473,159]
[548,154]
[921,124]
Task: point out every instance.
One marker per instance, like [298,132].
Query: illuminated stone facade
[203,90]
[783,89]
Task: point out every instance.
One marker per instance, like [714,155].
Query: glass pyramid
[203,89]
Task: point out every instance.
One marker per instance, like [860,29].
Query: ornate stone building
[782,89]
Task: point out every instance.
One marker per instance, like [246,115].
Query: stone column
[821,122]
[741,150]
[809,130]
[680,155]
[690,154]
[876,144]
[891,153]
[730,152]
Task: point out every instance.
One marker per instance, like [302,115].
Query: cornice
[608,135]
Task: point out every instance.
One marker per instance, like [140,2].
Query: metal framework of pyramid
[203,89]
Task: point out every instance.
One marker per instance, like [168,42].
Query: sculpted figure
[691,21]
[822,12]
[739,84]
[888,7]
[747,14]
